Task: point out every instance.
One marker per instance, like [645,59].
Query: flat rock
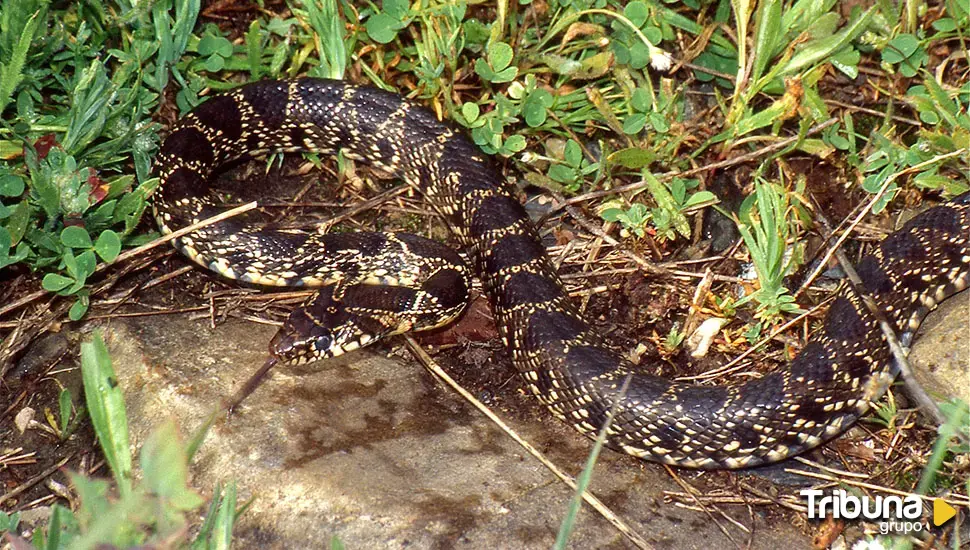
[375,451]
[940,355]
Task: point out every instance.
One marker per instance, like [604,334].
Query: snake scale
[564,362]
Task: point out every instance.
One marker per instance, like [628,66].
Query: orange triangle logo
[942,512]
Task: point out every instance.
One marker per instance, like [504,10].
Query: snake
[373,284]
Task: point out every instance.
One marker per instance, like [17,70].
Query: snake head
[323,327]
[301,339]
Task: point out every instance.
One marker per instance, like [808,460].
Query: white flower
[868,544]
[660,60]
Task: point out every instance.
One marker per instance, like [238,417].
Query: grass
[570,94]
[767,222]
[150,505]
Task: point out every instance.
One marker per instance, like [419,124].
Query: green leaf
[515,143]
[475,32]
[95,506]
[117,186]
[132,205]
[634,123]
[639,55]
[945,24]
[88,113]
[225,519]
[572,153]
[483,70]
[768,31]
[768,116]
[911,65]
[817,50]
[254,50]
[506,75]
[945,107]
[499,55]
[79,308]
[900,48]
[874,182]
[64,404]
[214,63]
[534,107]
[18,222]
[470,111]
[700,198]
[678,188]
[824,26]
[9,522]
[86,264]
[715,63]
[5,258]
[329,27]
[641,100]
[75,237]
[653,34]
[570,67]
[847,61]
[633,157]
[884,200]
[106,407]
[636,12]
[666,202]
[11,185]
[108,245]
[215,45]
[562,173]
[53,282]
[611,214]
[382,27]
[800,15]
[164,467]
[397,9]
[12,72]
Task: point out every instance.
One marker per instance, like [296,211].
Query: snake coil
[564,362]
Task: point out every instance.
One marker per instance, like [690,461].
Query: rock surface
[940,356]
[376,452]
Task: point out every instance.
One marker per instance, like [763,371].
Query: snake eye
[321,344]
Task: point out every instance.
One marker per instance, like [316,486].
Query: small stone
[702,338]
[23,419]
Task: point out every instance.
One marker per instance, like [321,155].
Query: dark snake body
[565,363]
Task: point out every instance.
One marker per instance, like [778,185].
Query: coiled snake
[373,291]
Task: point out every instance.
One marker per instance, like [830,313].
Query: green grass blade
[958,421]
[818,50]
[582,482]
[767,32]
[106,406]
[328,26]
[186,14]
[199,436]
[225,520]
[12,73]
